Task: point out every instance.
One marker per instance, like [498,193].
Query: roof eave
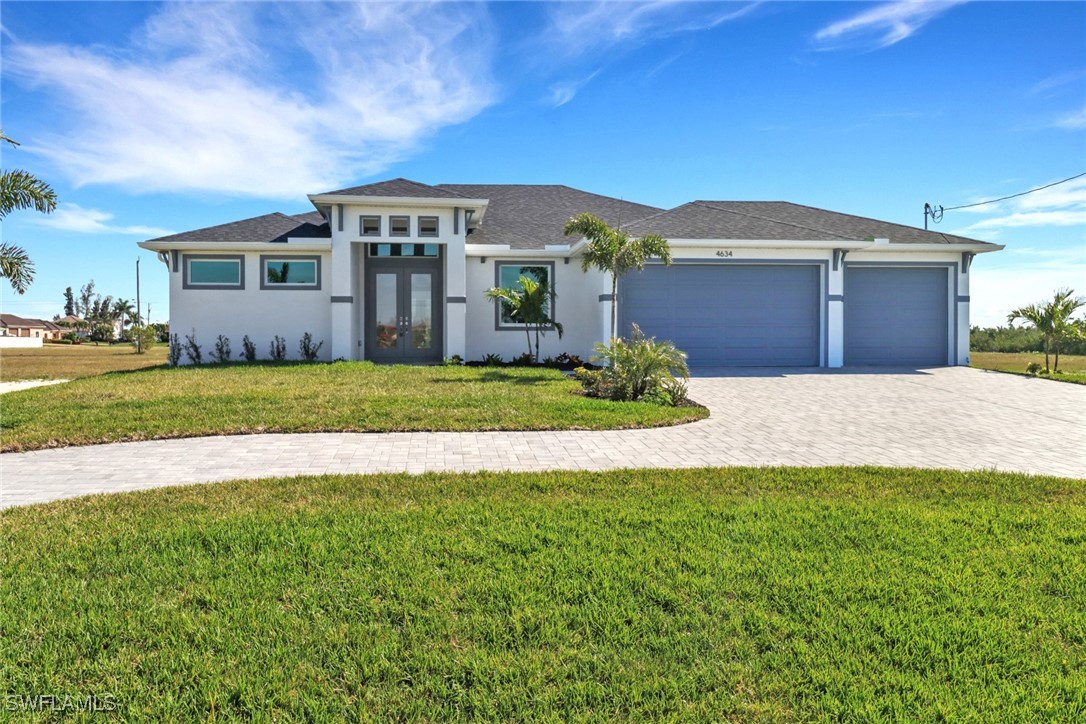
[293,244]
[444,202]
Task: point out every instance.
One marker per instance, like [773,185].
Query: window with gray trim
[369,225]
[213,271]
[290,272]
[507,275]
[399,226]
[427,226]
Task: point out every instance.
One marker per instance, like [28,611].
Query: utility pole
[139,320]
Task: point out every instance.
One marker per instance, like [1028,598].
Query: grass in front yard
[1072,367]
[355,396]
[69,361]
[775,594]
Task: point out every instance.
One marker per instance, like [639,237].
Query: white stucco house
[395,271]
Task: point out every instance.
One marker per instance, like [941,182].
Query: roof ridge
[868,218]
[710,205]
[658,213]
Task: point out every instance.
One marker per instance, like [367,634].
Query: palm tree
[615,252]
[530,305]
[1052,319]
[21,190]
[123,310]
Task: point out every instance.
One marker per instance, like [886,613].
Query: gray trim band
[265,286]
[456,300]
[342,300]
[963,297]
[836,297]
[607,297]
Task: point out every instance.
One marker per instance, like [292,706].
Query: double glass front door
[403,312]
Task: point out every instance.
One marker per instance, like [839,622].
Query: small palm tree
[615,252]
[1053,320]
[528,303]
[21,190]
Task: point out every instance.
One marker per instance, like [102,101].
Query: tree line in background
[1052,328]
[105,319]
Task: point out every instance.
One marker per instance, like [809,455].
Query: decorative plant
[142,338]
[248,349]
[278,349]
[636,367]
[615,252]
[192,350]
[529,304]
[173,354]
[1054,320]
[308,350]
[492,360]
[222,350]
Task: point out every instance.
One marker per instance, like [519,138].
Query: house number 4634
[724,253]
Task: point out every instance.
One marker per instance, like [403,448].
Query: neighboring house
[396,271]
[21,332]
[52,330]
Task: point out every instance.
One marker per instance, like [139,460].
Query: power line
[936,212]
[1012,196]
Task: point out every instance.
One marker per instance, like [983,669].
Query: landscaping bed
[305,397]
[728,594]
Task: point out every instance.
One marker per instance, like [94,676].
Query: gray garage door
[896,316]
[726,315]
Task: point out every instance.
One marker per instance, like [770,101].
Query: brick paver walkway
[941,418]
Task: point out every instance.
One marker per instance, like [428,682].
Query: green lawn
[1072,367]
[67,361]
[236,399]
[766,594]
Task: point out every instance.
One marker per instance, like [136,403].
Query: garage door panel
[896,316]
[723,315]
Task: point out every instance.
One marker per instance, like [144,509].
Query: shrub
[1034,368]
[173,354]
[59,341]
[71,337]
[222,350]
[101,332]
[570,361]
[308,351]
[492,360]
[278,349]
[526,359]
[142,338]
[193,350]
[636,367]
[454,361]
[248,349]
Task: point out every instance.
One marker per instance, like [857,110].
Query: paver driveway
[940,418]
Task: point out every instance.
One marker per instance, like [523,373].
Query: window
[290,272]
[399,226]
[427,226]
[369,225]
[508,276]
[214,271]
[430,250]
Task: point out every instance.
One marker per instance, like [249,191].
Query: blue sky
[153,118]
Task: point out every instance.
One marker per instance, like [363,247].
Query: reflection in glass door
[402,311]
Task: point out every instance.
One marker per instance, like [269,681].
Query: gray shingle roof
[396,187]
[529,216]
[269,227]
[780,220]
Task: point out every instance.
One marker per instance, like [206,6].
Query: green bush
[1034,368]
[636,368]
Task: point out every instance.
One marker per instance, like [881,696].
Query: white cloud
[883,25]
[563,92]
[578,28]
[1047,87]
[261,100]
[1073,121]
[75,218]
